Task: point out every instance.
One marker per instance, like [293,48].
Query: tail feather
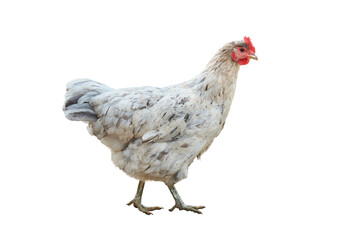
[77,97]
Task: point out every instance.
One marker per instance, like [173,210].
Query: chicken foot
[137,200]
[180,204]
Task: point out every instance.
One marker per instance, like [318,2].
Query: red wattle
[243,61]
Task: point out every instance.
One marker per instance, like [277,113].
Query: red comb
[247,40]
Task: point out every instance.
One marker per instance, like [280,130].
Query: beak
[253,56]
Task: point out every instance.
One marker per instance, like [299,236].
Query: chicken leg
[137,200]
[180,204]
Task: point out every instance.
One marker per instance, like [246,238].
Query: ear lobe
[235,54]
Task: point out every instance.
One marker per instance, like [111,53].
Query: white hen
[156,133]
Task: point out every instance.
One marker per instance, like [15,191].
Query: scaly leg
[180,204]
[137,200]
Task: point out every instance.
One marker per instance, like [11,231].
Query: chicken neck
[217,82]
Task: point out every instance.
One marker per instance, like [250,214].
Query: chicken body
[156,133]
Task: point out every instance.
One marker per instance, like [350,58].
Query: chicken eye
[242,49]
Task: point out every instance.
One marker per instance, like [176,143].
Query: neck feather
[218,80]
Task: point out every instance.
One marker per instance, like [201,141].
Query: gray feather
[77,97]
[156,133]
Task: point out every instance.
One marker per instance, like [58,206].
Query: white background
[286,165]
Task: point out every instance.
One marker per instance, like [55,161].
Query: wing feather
[149,113]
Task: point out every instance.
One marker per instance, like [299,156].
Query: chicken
[156,133]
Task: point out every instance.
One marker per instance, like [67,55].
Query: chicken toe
[179,204]
[137,201]
[142,208]
[187,208]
